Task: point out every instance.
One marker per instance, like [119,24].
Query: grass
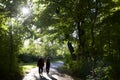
[27,66]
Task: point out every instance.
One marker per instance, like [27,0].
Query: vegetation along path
[53,75]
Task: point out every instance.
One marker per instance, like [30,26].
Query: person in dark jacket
[40,65]
[47,64]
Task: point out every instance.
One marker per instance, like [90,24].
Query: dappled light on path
[59,63]
[53,75]
[34,75]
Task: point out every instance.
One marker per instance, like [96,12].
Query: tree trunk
[71,49]
[11,48]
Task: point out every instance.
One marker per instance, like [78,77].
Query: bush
[114,62]
[79,68]
[26,58]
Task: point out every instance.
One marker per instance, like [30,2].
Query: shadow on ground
[44,78]
[50,76]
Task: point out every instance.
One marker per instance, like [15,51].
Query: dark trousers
[40,70]
[47,69]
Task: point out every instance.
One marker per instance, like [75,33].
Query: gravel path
[53,75]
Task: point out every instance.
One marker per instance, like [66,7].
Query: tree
[89,27]
[10,42]
[87,24]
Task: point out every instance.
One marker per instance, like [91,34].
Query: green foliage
[10,41]
[32,51]
[100,70]
[114,61]
[9,70]
[82,67]
[27,58]
[27,66]
[92,26]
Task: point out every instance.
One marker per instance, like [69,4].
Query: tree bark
[71,49]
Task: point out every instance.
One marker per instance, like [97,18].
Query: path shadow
[50,76]
[41,78]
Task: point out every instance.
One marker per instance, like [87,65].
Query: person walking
[40,65]
[47,64]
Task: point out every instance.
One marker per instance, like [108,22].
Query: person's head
[48,57]
[40,57]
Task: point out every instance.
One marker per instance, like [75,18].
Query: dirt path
[53,75]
